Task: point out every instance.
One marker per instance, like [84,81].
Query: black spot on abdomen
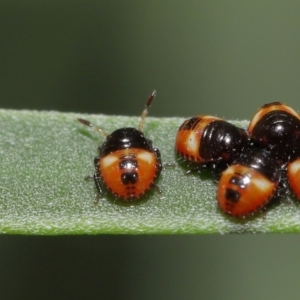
[232,195]
[129,178]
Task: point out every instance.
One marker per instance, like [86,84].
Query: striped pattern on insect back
[206,139]
[189,135]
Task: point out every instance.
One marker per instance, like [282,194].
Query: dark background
[224,58]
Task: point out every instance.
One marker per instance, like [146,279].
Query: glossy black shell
[279,131]
[222,141]
[125,138]
[262,161]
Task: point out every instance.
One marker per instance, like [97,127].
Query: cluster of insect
[254,165]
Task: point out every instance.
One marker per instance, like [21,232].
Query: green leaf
[46,155]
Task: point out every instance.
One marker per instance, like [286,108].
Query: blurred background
[224,58]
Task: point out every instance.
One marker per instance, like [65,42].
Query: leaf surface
[46,155]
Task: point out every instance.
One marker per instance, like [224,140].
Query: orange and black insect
[276,127]
[249,184]
[207,139]
[128,165]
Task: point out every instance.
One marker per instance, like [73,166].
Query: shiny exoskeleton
[128,165]
[276,127]
[207,139]
[257,165]
[249,184]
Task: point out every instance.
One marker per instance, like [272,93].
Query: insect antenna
[95,128]
[145,111]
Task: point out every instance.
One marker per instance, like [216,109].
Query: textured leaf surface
[46,155]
